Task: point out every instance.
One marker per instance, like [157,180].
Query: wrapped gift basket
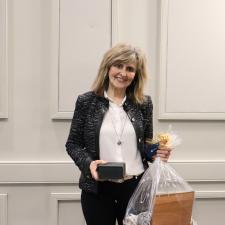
[162,196]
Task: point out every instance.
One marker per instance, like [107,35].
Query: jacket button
[139,140]
[132,119]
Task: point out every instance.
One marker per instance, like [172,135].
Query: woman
[111,124]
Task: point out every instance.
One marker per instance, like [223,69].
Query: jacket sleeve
[148,119]
[148,123]
[75,142]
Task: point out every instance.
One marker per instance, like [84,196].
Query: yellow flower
[161,138]
[164,139]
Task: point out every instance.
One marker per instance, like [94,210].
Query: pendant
[119,142]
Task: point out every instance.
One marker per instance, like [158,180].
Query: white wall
[37,178]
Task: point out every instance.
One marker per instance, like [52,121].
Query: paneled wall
[3,61]
[49,53]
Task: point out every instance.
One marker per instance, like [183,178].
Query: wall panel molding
[197,171]
[58,113]
[3,60]
[191,55]
[115,22]
[32,172]
[218,194]
[38,172]
[55,198]
[3,209]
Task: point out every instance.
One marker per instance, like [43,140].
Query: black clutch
[111,171]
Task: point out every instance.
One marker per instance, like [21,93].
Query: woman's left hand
[163,152]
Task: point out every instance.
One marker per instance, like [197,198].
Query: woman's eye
[119,66]
[130,69]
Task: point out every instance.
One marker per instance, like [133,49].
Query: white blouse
[116,127]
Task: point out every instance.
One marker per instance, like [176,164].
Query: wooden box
[173,209]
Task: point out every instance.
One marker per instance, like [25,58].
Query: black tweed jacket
[83,140]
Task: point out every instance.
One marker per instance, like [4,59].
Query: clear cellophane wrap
[160,180]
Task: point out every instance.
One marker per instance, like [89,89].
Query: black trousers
[109,204]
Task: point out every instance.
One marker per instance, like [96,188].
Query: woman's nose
[123,71]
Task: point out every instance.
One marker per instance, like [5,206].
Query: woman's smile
[120,78]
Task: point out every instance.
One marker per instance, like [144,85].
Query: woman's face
[121,75]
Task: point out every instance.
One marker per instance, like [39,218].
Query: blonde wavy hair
[125,54]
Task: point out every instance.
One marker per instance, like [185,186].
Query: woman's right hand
[93,168]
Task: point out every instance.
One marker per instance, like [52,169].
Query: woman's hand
[163,152]
[93,168]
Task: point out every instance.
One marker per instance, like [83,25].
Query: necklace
[119,136]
